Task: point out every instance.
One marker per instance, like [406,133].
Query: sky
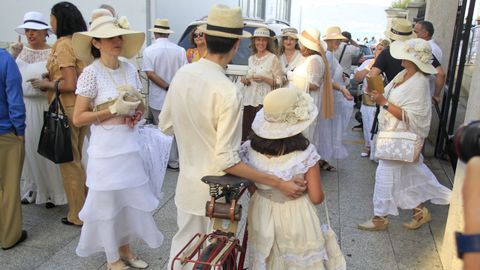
[362,18]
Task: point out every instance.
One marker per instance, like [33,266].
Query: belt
[273,195]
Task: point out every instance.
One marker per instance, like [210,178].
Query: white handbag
[398,144]
[336,260]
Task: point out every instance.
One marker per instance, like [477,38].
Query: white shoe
[135,262]
[29,197]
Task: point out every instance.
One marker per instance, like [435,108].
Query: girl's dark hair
[69,19]
[192,40]
[278,147]
[94,51]
[219,45]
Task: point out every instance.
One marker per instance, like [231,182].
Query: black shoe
[66,222]
[22,238]
[49,205]
[173,169]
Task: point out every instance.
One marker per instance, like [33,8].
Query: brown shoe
[425,218]
[380,224]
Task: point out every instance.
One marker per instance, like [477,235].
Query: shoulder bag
[55,143]
[398,144]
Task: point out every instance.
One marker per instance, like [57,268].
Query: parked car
[365,54]
[239,64]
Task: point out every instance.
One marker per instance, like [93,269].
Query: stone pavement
[51,245]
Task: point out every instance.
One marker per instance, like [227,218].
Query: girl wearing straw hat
[119,204]
[398,184]
[42,178]
[290,56]
[264,73]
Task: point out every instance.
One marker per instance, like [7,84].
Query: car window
[241,58]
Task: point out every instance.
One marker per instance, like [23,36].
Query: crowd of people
[279,128]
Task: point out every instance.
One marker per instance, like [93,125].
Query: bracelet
[467,243]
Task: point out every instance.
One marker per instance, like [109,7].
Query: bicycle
[225,251]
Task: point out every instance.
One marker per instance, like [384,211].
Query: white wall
[12,11]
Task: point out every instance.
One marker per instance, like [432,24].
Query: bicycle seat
[228,180]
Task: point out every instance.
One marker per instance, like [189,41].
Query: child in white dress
[284,233]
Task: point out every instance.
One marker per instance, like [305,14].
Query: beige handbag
[336,260]
[398,144]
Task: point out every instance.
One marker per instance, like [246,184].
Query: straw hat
[161,26]
[333,33]
[416,50]
[261,32]
[286,112]
[33,20]
[107,27]
[310,38]
[401,29]
[225,22]
[289,32]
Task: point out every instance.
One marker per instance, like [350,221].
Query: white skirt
[405,185]
[368,116]
[114,216]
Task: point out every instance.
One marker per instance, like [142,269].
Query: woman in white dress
[398,184]
[42,177]
[264,74]
[313,76]
[119,204]
[290,56]
[368,108]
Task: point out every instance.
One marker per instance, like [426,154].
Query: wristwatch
[385,106]
[467,243]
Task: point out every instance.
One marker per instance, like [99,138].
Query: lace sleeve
[316,69]
[87,83]
[277,71]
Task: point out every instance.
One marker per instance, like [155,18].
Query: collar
[211,64]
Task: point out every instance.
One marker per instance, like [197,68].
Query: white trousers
[188,226]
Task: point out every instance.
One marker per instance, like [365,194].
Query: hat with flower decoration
[416,50]
[286,112]
[107,27]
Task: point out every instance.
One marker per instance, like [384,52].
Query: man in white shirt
[203,108]
[346,52]
[161,60]
[425,30]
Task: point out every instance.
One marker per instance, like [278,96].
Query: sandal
[369,225]
[365,152]
[326,166]
[424,219]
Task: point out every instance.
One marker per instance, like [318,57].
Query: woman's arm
[381,101]
[314,184]
[83,114]
[68,83]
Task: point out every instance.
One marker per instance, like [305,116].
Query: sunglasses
[199,35]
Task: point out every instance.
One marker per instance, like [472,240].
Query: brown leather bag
[232,211]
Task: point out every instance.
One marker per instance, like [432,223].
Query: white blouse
[99,82]
[32,64]
[268,66]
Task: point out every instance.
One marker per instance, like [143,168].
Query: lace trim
[31,56]
[285,166]
[260,60]
[309,258]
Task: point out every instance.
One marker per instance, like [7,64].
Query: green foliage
[400,4]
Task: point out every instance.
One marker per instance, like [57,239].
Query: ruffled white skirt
[405,185]
[114,216]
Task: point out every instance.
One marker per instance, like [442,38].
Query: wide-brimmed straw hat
[310,38]
[225,22]
[33,20]
[286,112]
[415,50]
[289,32]
[107,27]
[261,32]
[161,26]
[401,29]
[333,33]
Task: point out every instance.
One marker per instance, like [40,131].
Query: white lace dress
[282,233]
[119,204]
[40,174]
[268,66]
